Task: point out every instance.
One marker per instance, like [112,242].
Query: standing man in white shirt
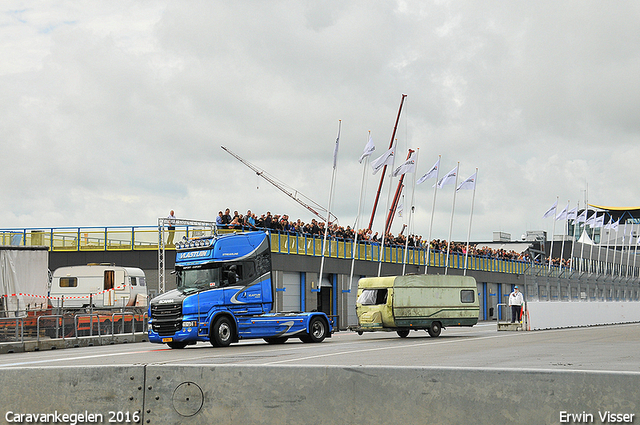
[171,227]
[516,300]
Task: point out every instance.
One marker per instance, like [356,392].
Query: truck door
[244,288]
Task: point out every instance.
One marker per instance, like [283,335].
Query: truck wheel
[277,340]
[435,329]
[403,333]
[177,345]
[317,331]
[221,332]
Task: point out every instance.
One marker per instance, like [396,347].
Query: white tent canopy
[24,277]
[585,239]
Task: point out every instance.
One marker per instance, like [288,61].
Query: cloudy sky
[114,112]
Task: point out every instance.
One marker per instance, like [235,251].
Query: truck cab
[225,293]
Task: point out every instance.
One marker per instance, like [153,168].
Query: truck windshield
[195,279]
[213,276]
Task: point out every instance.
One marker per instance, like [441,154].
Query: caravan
[414,302]
[100,285]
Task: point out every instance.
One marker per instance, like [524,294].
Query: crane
[315,208]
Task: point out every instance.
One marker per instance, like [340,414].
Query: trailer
[99,285]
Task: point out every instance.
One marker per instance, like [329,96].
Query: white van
[106,285]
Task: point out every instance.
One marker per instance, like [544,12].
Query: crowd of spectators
[283,224]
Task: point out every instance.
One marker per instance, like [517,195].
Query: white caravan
[106,285]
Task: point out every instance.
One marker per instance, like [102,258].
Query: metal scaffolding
[163,225]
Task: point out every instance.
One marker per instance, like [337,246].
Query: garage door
[291,294]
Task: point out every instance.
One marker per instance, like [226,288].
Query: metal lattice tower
[163,224]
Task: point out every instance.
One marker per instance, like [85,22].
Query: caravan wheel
[435,329]
[403,333]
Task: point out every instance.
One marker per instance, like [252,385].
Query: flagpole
[355,240]
[624,235]
[413,195]
[473,198]
[453,208]
[553,210]
[382,251]
[600,243]
[629,252]
[635,257]
[615,251]
[564,233]
[326,228]
[593,241]
[573,242]
[584,229]
[553,230]
[433,210]
[606,258]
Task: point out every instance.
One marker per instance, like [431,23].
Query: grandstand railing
[134,238]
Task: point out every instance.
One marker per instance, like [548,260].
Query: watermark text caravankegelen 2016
[85,417]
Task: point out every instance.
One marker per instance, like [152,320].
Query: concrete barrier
[564,314]
[70,394]
[59,343]
[232,394]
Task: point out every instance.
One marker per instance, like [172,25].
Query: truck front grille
[167,318]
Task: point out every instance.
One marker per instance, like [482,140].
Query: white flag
[598,222]
[409,166]
[614,226]
[551,210]
[469,183]
[449,178]
[572,214]
[582,217]
[591,220]
[399,210]
[368,150]
[563,214]
[433,172]
[385,159]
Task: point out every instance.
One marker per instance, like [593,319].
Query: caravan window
[68,282]
[467,296]
[373,297]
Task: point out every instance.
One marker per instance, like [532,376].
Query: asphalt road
[598,348]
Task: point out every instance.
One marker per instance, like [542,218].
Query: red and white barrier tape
[66,298]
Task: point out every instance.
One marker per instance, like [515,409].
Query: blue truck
[225,292]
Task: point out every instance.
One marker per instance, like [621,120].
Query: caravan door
[108,285]
[112,279]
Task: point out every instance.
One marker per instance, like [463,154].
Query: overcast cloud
[113,113]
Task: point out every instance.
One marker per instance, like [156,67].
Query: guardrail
[34,325]
[133,238]
[4,329]
[146,238]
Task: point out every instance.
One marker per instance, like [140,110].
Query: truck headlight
[191,324]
